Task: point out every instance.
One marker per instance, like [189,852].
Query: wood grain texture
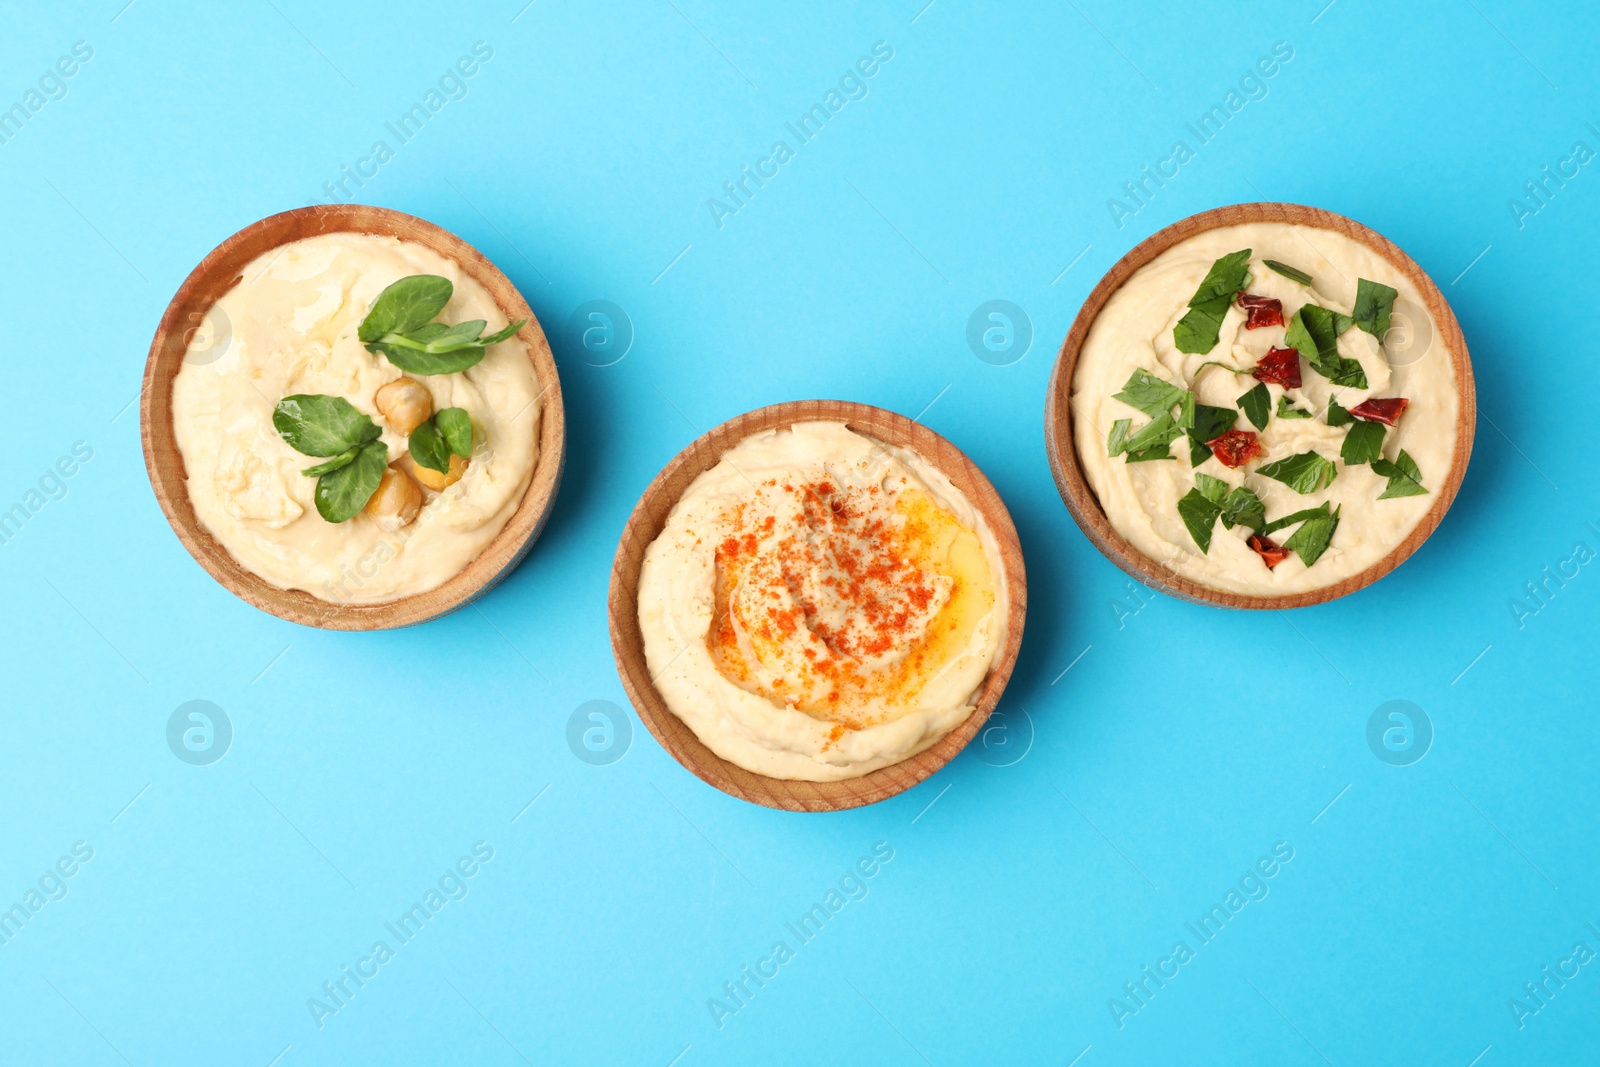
[650,516]
[1059,434]
[221,271]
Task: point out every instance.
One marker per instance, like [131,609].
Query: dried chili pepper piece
[1386,410]
[1261,311]
[1235,448]
[1280,366]
[1271,552]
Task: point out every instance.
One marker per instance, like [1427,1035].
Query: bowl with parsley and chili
[1261,406]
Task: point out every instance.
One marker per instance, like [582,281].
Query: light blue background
[1182,744]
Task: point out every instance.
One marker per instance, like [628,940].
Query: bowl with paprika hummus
[816,605]
[1261,406]
[352,419]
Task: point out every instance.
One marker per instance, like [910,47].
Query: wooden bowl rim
[1066,465]
[164,463]
[628,645]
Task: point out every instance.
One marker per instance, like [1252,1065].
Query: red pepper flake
[1261,311]
[864,569]
[1271,553]
[1386,410]
[1235,448]
[1280,366]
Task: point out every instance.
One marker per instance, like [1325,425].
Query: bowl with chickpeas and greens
[352,419]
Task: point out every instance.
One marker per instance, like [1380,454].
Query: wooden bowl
[651,515]
[221,271]
[1058,416]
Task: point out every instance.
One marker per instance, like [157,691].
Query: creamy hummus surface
[289,327]
[1135,331]
[820,604]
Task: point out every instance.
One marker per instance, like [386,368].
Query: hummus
[820,604]
[1135,332]
[292,322]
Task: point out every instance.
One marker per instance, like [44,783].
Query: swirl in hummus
[291,328]
[820,604]
[1357,423]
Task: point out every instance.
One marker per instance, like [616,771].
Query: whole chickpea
[397,500]
[440,481]
[405,403]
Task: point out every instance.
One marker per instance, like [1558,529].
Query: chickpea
[405,403]
[438,481]
[397,500]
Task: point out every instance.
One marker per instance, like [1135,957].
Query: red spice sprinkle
[855,552]
[1262,311]
[1270,552]
[1386,410]
[1235,448]
[1280,366]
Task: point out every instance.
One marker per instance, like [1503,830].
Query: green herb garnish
[1117,439]
[1287,271]
[1304,473]
[343,492]
[448,431]
[1405,479]
[1243,508]
[1289,520]
[1287,410]
[330,426]
[1311,540]
[1363,443]
[456,425]
[1213,489]
[1337,415]
[333,464]
[317,425]
[1211,499]
[400,327]
[1315,332]
[1200,516]
[1199,328]
[1209,423]
[1374,304]
[406,305]
[1150,394]
[1256,404]
[1156,397]
[1311,331]
[1216,363]
[1153,439]
[1200,506]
